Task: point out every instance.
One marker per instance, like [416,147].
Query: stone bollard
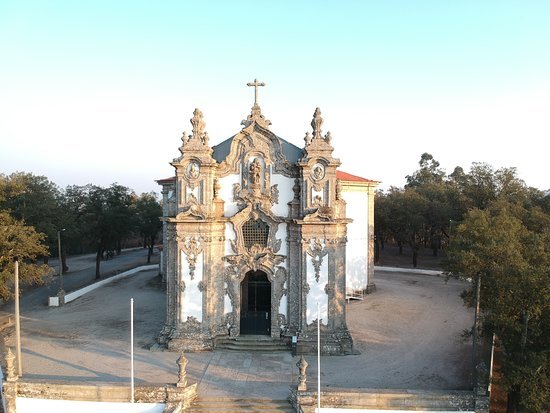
[182,372]
[10,385]
[302,378]
[11,375]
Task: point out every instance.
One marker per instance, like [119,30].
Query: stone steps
[252,344]
[237,405]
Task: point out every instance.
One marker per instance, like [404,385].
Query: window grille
[255,232]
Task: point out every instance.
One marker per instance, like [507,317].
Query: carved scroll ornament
[192,248]
[317,251]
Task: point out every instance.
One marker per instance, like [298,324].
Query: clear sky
[101,91]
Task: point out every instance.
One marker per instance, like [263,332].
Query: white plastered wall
[286,194]
[226,193]
[317,292]
[192,296]
[357,248]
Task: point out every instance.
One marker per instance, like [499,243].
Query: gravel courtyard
[408,334]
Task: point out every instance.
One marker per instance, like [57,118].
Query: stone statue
[255,171]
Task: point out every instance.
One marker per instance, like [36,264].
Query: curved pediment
[259,140]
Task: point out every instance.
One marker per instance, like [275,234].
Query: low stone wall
[73,295]
[374,399]
[176,399]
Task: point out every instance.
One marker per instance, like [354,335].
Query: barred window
[255,232]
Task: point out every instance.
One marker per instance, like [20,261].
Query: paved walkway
[408,333]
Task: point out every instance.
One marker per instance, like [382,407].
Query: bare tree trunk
[98,256]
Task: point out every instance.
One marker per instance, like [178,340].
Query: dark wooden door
[256,304]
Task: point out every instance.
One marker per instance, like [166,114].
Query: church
[263,239]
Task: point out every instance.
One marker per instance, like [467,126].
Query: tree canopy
[20,241]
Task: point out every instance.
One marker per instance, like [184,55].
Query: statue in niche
[255,171]
[318,172]
[193,170]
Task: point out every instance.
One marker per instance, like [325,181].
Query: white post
[318,359]
[17,322]
[132,348]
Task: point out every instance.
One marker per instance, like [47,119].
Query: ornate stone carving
[192,208]
[255,258]
[296,189]
[198,127]
[317,123]
[316,251]
[302,378]
[274,194]
[329,288]
[306,288]
[201,286]
[255,172]
[191,247]
[190,326]
[318,171]
[182,371]
[193,170]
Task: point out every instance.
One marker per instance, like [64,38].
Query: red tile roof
[344,176]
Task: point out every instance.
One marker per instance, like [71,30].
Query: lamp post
[61,292]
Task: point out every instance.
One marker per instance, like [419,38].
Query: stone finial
[317,123]
[198,124]
[10,366]
[302,378]
[182,372]
[256,117]
[217,187]
[296,189]
[307,139]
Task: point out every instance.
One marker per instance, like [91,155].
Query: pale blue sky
[100,91]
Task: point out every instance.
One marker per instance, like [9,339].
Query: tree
[34,200]
[429,172]
[107,218]
[148,212]
[500,246]
[20,241]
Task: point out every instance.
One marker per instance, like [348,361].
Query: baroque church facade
[256,239]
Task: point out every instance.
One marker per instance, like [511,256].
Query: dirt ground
[408,334]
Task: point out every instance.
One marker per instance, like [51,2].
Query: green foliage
[512,257]
[20,241]
[34,200]
[148,212]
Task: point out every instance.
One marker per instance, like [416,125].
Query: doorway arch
[255,304]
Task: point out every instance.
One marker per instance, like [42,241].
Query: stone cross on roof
[256,84]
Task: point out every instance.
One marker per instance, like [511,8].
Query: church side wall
[357,253]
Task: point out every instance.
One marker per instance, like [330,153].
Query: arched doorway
[256,304]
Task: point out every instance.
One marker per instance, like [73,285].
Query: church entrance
[256,304]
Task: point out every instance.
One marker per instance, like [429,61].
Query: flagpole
[17,321]
[132,348]
[318,359]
